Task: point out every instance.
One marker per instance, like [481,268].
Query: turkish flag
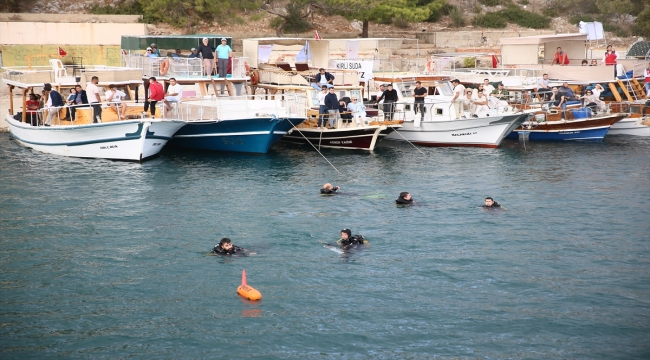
[317,37]
[62,52]
[495,62]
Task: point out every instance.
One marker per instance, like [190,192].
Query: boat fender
[246,291]
[164,67]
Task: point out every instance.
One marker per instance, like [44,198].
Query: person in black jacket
[490,203]
[390,97]
[226,247]
[323,78]
[347,241]
[332,104]
[79,100]
[404,198]
[328,189]
[54,103]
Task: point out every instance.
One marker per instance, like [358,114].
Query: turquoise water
[103,259]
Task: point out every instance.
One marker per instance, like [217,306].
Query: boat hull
[630,126]
[255,135]
[477,132]
[133,140]
[347,138]
[591,129]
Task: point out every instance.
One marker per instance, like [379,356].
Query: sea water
[106,259]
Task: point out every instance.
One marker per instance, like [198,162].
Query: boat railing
[179,67]
[64,116]
[240,107]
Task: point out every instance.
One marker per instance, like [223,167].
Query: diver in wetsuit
[328,189]
[347,241]
[226,247]
[404,198]
[490,203]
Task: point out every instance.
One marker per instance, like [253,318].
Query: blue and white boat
[246,124]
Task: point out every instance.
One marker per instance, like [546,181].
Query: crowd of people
[209,55]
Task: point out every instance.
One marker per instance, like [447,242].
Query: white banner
[263,53]
[352,49]
[363,67]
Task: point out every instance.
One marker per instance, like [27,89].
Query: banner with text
[364,67]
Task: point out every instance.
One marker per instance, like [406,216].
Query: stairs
[631,88]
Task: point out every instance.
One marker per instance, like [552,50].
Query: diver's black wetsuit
[329,192]
[351,242]
[400,200]
[493,206]
[221,251]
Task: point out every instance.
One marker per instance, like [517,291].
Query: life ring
[164,67]
[248,68]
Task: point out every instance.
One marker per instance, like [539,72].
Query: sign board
[364,67]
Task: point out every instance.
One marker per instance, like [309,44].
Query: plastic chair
[58,68]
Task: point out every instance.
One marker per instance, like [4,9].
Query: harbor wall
[40,55]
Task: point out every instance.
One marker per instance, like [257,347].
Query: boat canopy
[529,50]
[170,42]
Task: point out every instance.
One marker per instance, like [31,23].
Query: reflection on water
[111,259]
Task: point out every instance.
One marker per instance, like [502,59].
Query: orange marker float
[246,291]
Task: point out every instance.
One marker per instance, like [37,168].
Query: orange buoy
[164,67]
[246,291]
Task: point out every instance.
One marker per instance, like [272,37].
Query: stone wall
[468,39]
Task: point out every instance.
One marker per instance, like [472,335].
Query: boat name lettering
[348,66]
[463,134]
[341,142]
[108,147]
[568,132]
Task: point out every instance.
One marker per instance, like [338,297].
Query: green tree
[382,11]
[642,26]
[291,16]
[614,7]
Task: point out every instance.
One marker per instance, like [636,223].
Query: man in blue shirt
[323,79]
[194,54]
[224,53]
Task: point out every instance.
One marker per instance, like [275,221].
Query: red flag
[495,62]
[317,36]
[62,52]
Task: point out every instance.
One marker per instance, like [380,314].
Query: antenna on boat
[416,148]
[312,145]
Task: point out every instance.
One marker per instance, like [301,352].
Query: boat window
[438,111]
[314,98]
[407,89]
[446,89]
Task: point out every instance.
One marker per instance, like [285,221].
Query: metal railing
[184,68]
[240,107]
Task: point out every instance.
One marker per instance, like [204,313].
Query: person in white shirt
[114,98]
[487,88]
[358,111]
[174,93]
[480,104]
[92,91]
[382,88]
[322,109]
[459,90]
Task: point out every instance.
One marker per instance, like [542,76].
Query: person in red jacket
[156,93]
[560,57]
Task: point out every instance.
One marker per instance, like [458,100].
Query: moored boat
[573,128]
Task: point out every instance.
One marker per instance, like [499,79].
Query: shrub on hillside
[494,2]
[524,2]
[437,14]
[550,12]
[457,18]
[469,62]
[490,20]
[521,17]
[617,30]
[401,23]
[642,26]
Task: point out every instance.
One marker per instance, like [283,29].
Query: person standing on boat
[156,93]
[207,54]
[323,79]
[498,98]
[224,53]
[332,103]
[560,57]
[390,97]
[322,109]
[54,103]
[459,90]
[32,110]
[610,58]
[80,99]
[382,88]
[419,93]
[95,101]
